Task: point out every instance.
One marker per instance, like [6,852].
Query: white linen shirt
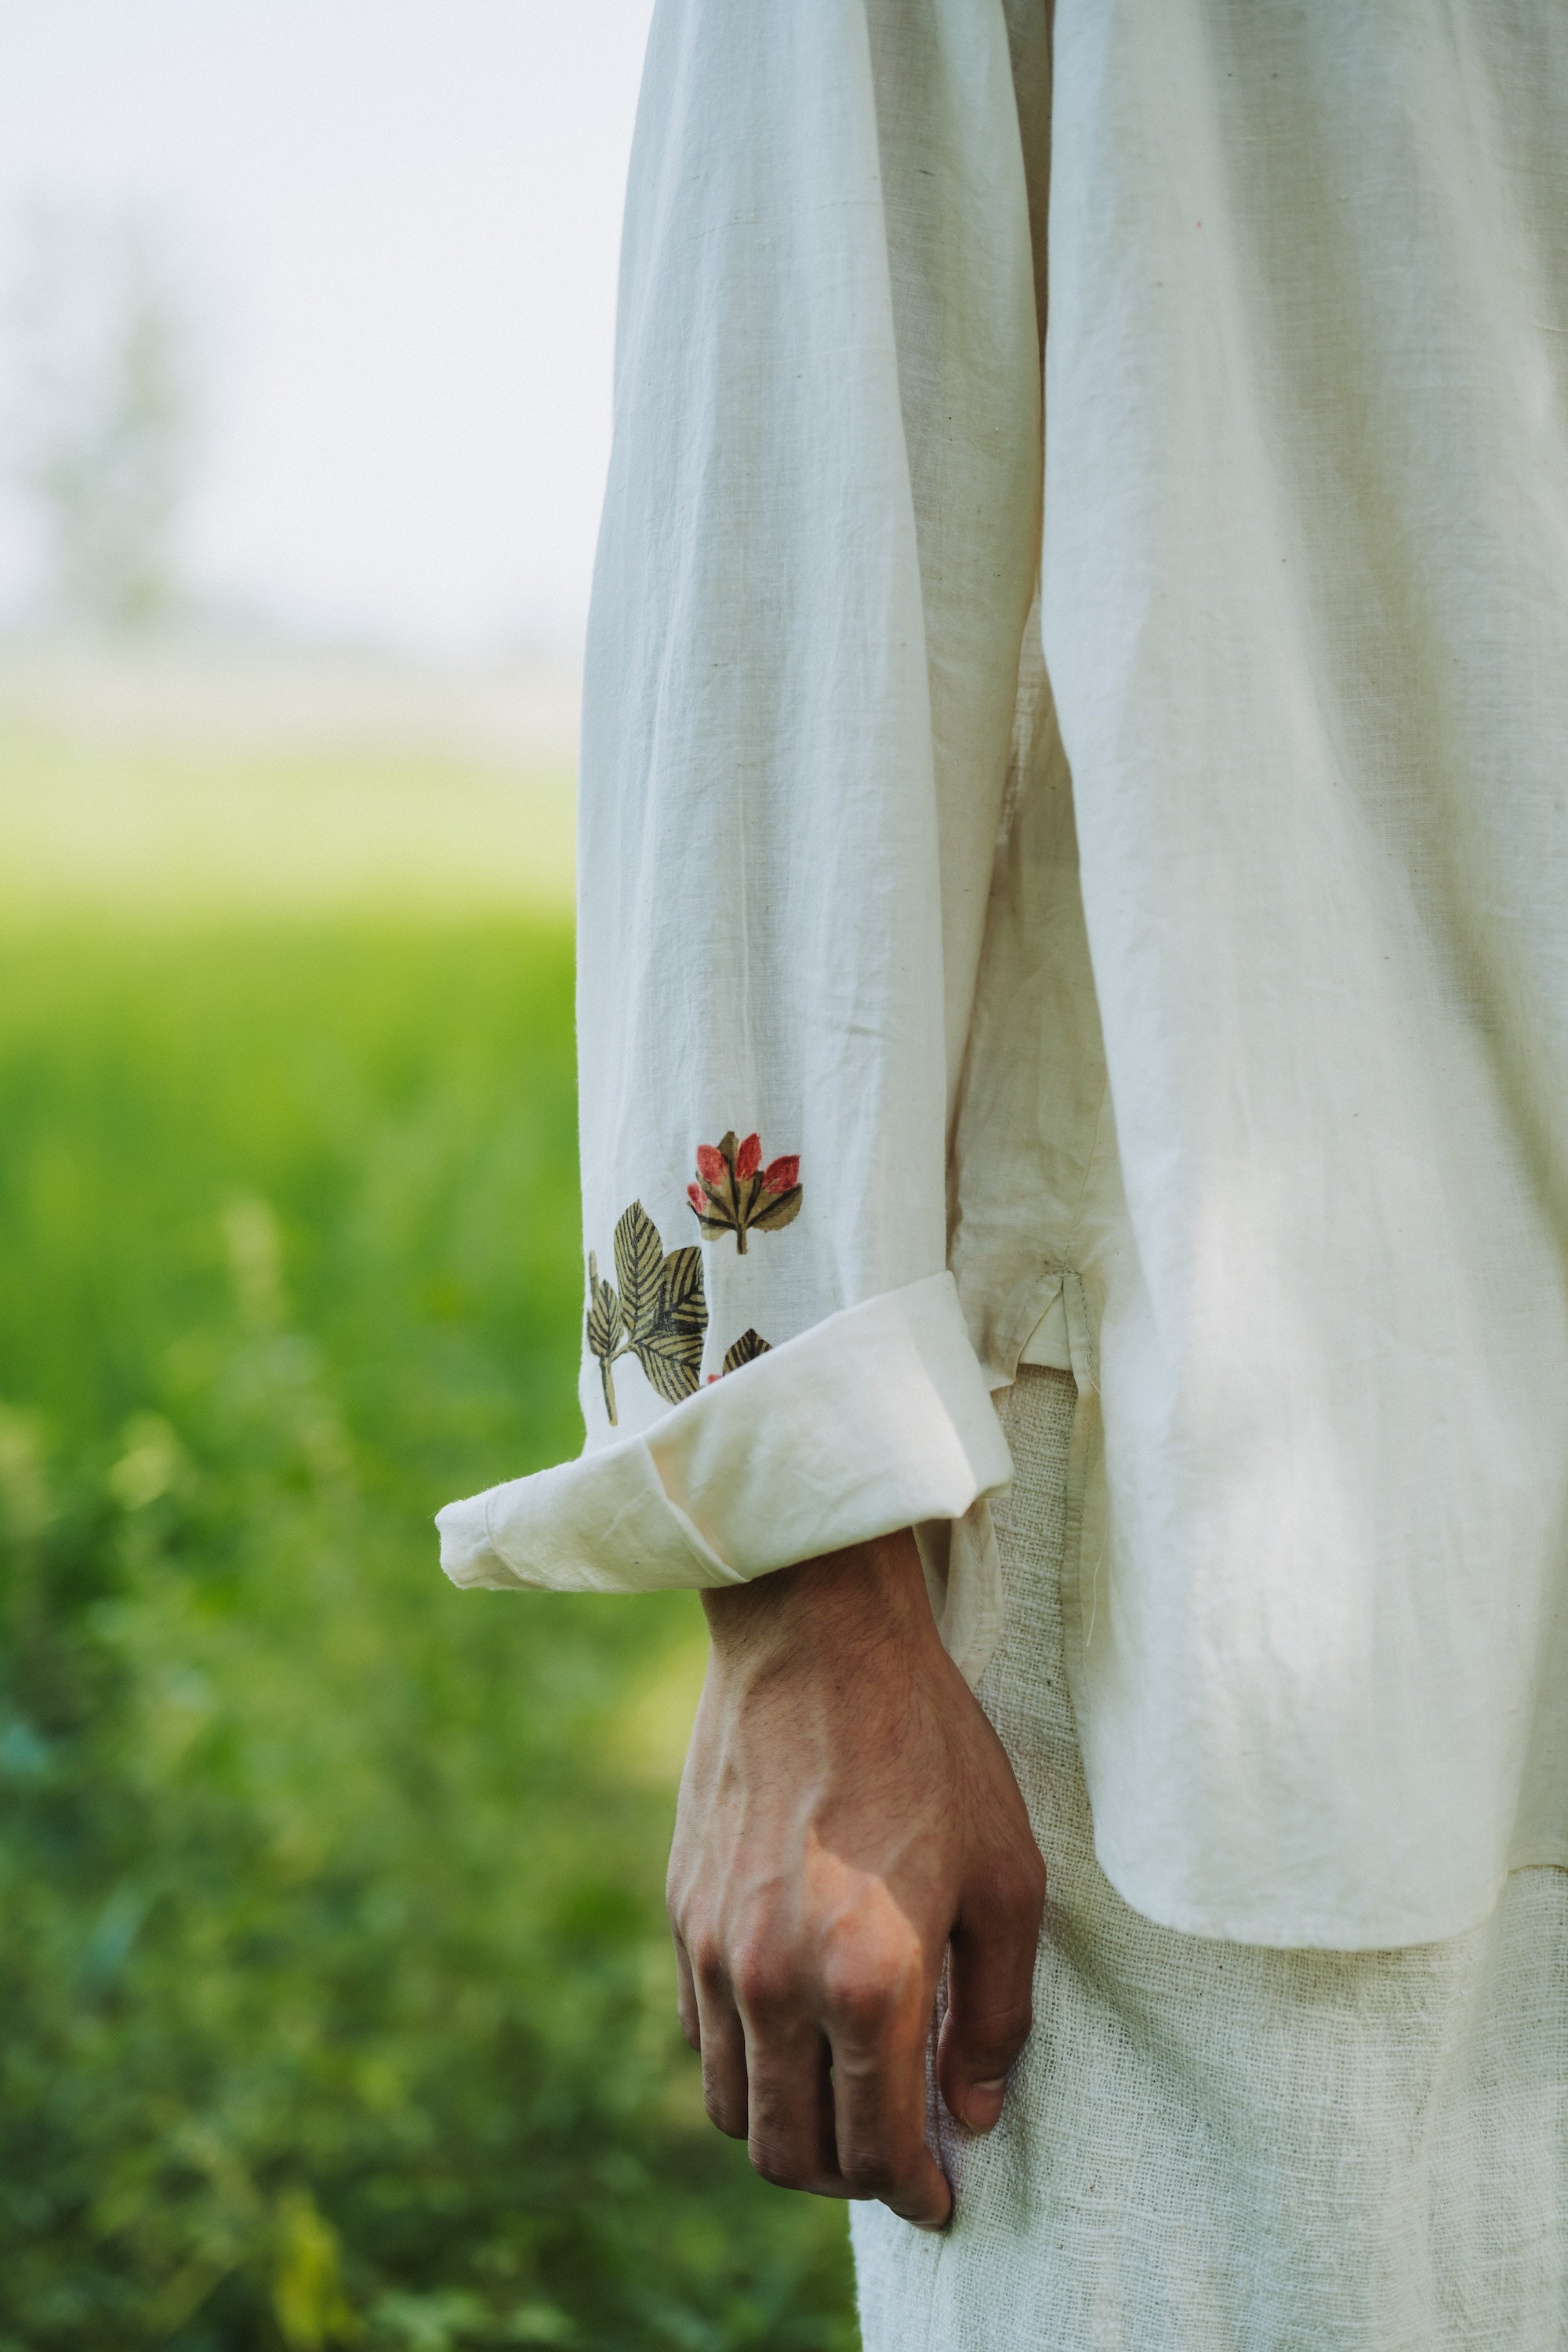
[1173,983]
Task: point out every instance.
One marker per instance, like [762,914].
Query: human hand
[847,1816]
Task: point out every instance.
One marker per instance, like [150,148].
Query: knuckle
[680,1894]
[696,1934]
[706,1959]
[1033,1890]
[862,1997]
[1021,1883]
[872,1966]
[763,1982]
[858,2013]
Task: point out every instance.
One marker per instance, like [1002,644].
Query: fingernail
[983,2108]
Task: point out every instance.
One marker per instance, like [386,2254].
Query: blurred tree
[100,434]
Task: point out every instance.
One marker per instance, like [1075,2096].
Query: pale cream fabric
[866,1426]
[1209,2147]
[1191,966]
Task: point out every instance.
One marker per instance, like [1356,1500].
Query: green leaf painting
[606,1328]
[640,1269]
[659,1315]
[746,1349]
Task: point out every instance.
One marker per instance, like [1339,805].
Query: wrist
[870,1591]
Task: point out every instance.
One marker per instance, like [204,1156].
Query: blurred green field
[139,832]
[338,2005]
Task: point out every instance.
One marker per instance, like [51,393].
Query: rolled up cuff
[874,1420]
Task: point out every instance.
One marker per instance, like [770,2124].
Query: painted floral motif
[734,1193]
[659,1315]
[746,1349]
[659,1312]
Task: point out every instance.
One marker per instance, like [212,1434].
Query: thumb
[990,2005]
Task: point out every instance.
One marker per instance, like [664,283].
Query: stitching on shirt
[1088,1168]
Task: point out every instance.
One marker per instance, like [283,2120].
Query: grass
[146,831]
[338,2000]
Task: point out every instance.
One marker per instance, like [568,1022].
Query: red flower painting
[735,1193]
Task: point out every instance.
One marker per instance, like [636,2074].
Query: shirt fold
[874,1420]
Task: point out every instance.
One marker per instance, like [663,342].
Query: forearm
[839,1611]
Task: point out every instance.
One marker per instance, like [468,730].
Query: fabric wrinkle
[1209,2144]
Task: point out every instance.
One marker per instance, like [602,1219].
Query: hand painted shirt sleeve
[818,549]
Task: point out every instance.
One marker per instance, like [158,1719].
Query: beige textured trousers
[1213,2147]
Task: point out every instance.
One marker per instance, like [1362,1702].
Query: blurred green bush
[337,2000]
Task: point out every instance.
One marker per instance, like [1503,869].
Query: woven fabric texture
[1214,2147]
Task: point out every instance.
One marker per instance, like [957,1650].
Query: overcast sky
[396,224]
